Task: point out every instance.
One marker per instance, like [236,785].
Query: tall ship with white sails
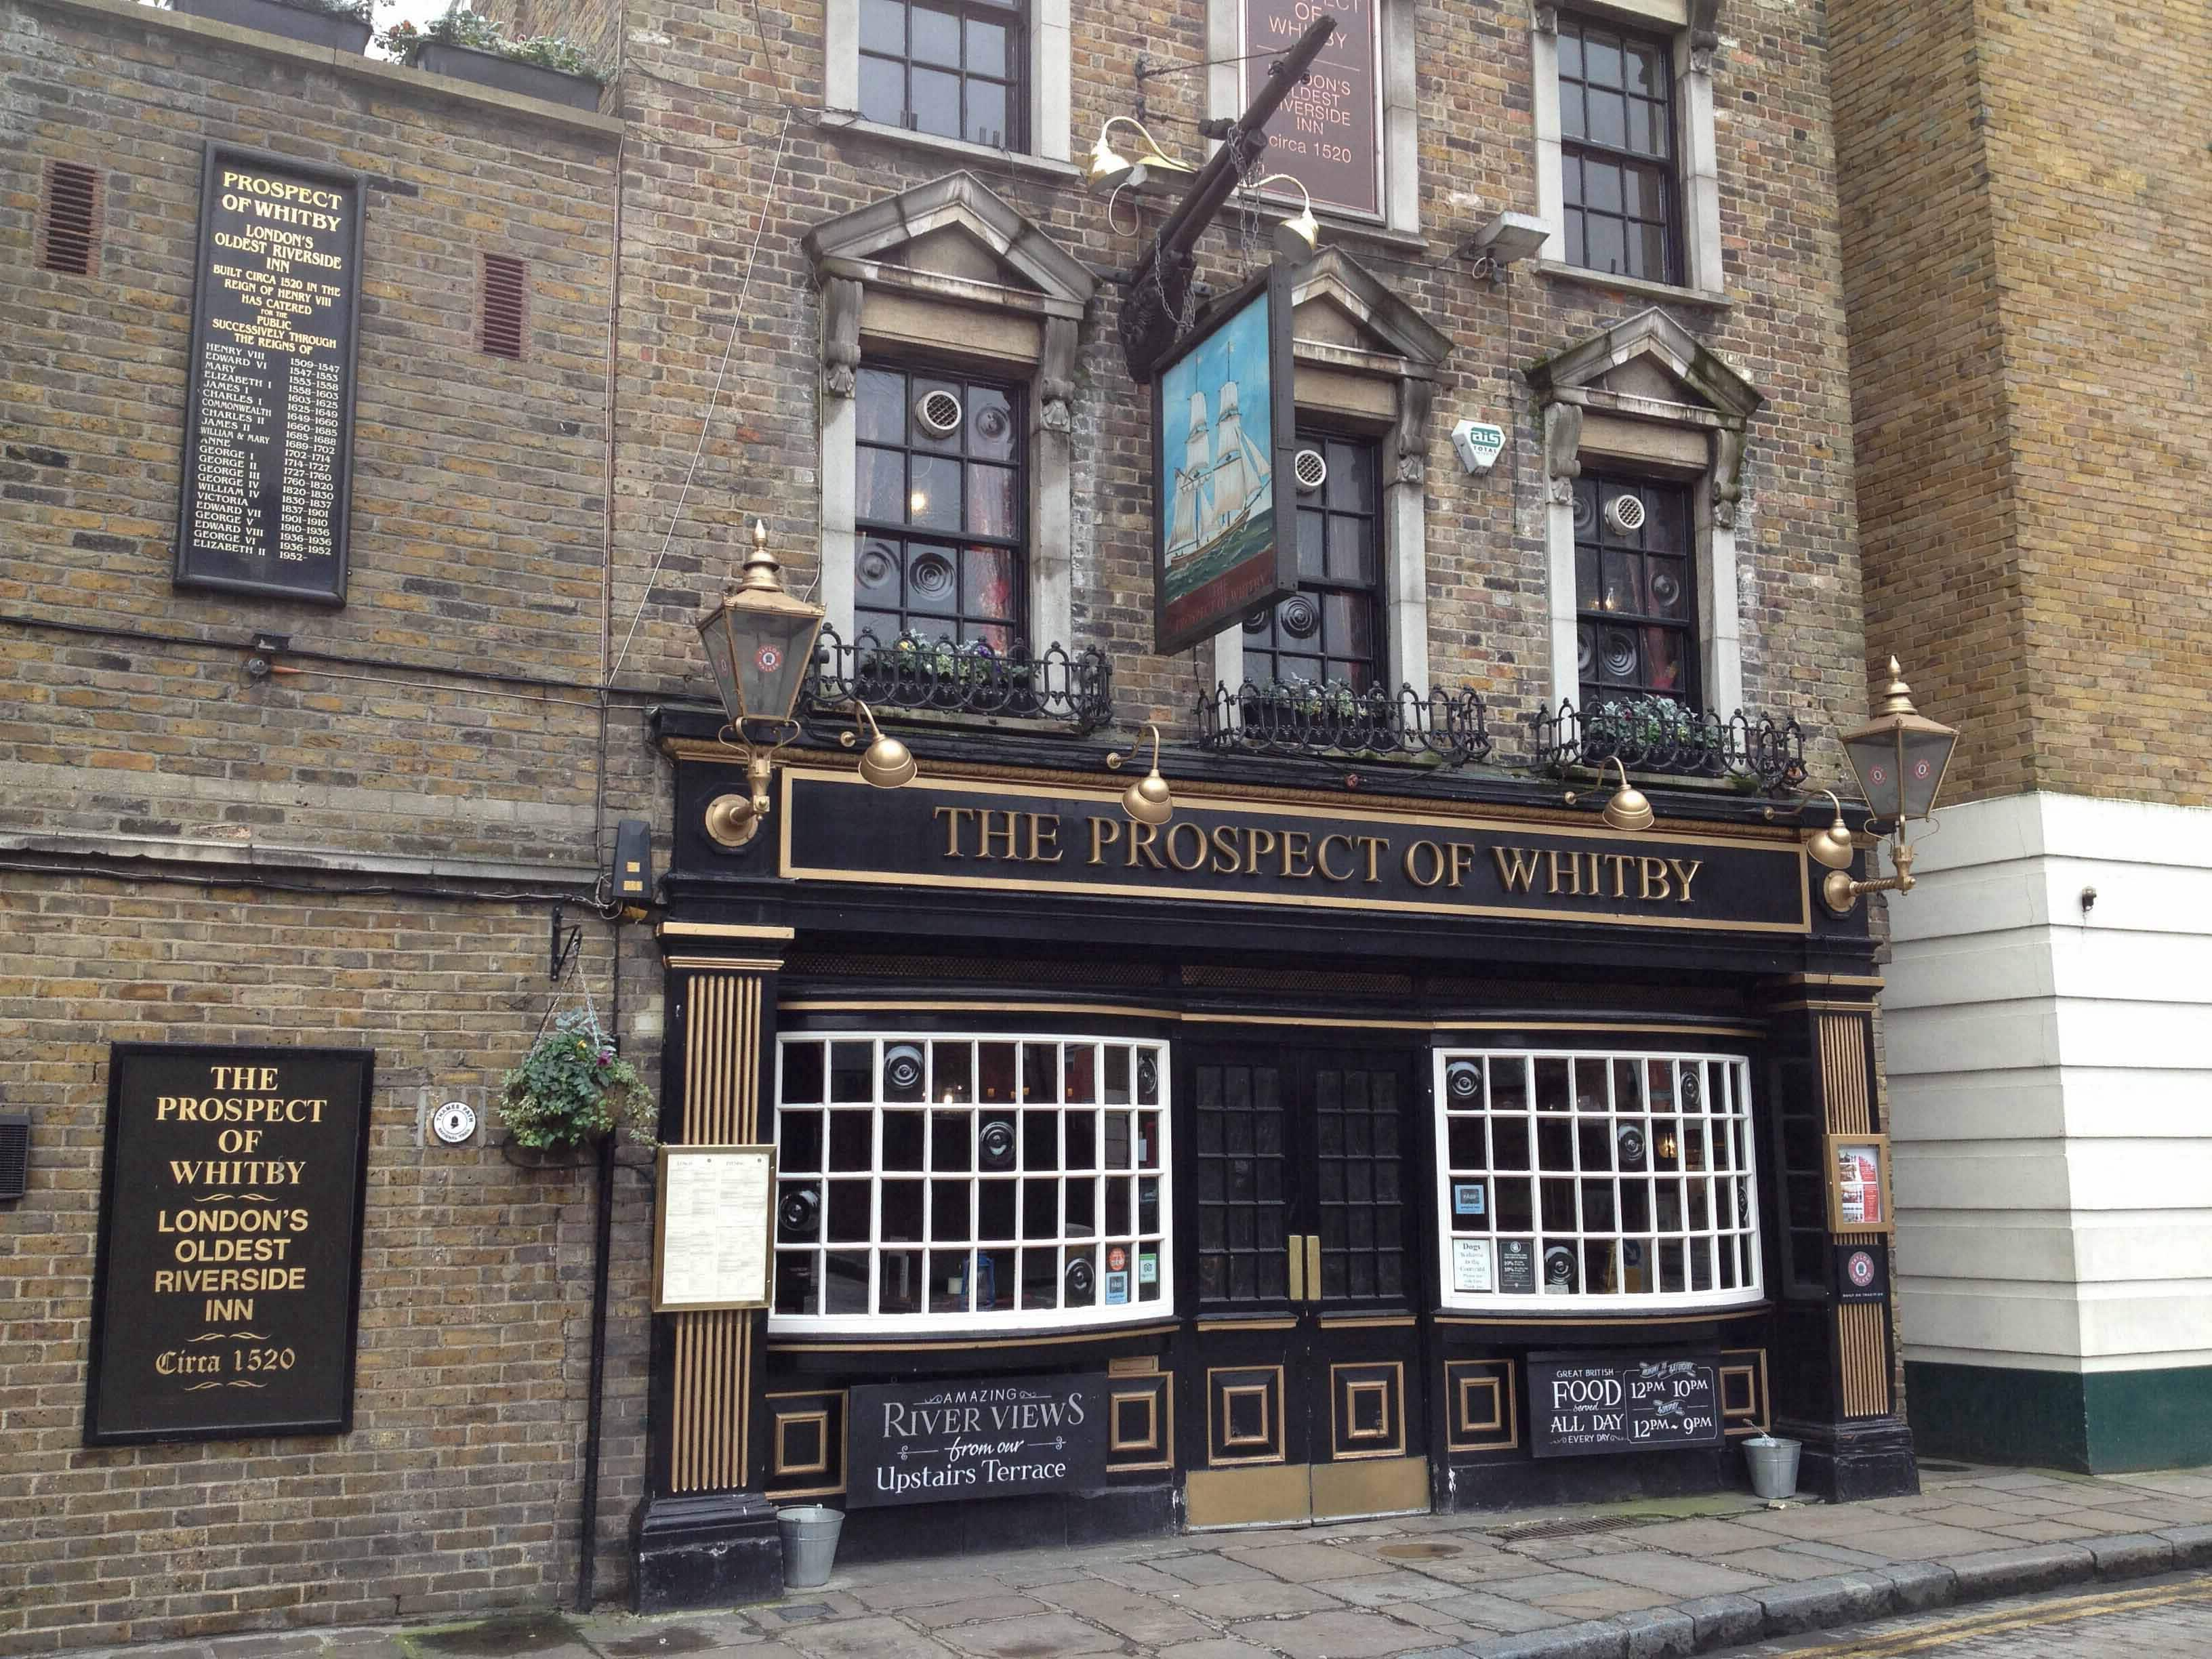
[1224,480]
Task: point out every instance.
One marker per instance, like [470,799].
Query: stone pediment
[953,239]
[1343,312]
[1650,368]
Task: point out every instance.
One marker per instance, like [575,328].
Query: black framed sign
[993,1437]
[1329,133]
[226,1292]
[267,466]
[1225,537]
[1584,1403]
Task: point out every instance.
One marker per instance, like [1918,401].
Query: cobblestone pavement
[1649,1577]
[2167,1618]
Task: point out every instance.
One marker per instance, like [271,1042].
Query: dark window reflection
[1617,159]
[951,70]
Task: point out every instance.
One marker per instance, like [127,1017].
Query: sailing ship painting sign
[1226,538]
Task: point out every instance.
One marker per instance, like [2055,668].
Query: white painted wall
[2049,1082]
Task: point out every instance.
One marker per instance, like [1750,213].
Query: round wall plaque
[453,1122]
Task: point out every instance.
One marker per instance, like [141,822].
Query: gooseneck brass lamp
[886,762]
[1148,800]
[759,643]
[1110,169]
[1298,237]
[1629,810]
[1900,757]
[1832,848]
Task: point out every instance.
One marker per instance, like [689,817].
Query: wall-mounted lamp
[1832,848]
[1298,238]
[1507,239]
[886,762]
[1628,810]
[1147,800]
[1110,170]
[1900,757]
[759,643]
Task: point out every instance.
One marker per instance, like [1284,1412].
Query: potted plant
[342,25]
[1652,734]
[468,47]
[572,1088]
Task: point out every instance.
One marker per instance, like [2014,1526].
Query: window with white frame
[963,1183]
[1568,1181]
[983,76]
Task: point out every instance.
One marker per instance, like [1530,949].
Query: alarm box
[633,870]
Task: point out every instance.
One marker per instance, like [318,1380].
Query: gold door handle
[1313,1267]
[1298,1268]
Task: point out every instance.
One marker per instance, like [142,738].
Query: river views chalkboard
[993,1437]
[227,1290]
[269,407]
[1584,1403]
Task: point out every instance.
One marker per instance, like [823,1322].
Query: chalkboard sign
[269,408]
[994,1438]
[1581,1403]
[227,1289]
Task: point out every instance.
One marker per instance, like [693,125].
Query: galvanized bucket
[810,1543]
[1773,1465]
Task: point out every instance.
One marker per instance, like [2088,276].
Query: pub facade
[1260,1068]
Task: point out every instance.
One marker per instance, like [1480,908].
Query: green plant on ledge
[572,1088]
[359,11]
[458,26]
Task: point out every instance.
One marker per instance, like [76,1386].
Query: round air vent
[797,1214]
[1463,1082]
[1311,469]
[1559,1268]
[1624,513]
[1080,1278]
[902,1072]
[997,1141]
[938,413]
[1630,1139]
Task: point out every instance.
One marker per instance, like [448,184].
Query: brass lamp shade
[759,641]
[1297,237]
[887,763]
[1900,757]
[1629,810]
[1831,847]
[1148,800]
[1109,166]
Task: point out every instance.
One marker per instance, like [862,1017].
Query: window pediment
[1339,307]
[1650,368]
[959,240]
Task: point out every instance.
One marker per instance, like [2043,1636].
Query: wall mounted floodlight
[1507,239]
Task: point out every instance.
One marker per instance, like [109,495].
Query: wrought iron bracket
[563,950]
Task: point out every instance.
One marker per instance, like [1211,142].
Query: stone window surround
[1386,389]
[1694,26]
[1027,334]
[1663,438]
[1046,86]
[1400,134]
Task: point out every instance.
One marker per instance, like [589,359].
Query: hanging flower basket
[572,1088]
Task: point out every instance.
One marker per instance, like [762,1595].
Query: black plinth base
[1844,1462]
[1529,1483]
[704,1550]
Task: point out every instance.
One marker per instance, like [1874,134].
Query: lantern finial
[760,573]
[1897,696]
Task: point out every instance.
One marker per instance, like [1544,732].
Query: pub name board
[1580,1404]
[988,837]
[228,1287]
[269,409]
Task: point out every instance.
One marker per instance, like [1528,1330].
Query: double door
[1300,1191]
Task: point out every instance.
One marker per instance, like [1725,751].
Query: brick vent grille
[68,220]
[15,1157]
[505,311]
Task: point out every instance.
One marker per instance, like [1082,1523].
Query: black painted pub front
[1347,1145]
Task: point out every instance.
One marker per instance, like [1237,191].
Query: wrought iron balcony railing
[1301,717]
[1657,734]
[1075,689]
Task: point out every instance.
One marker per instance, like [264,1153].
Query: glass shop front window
[1569,1182]
[970,1183]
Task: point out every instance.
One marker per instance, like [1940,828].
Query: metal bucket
[810,1543]
[1773,1465]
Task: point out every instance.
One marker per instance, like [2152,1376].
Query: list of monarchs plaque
[227,1288]
[269,410]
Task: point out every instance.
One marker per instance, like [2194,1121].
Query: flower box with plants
[572,1088]
[340,25]
[468,47]
[1653,734]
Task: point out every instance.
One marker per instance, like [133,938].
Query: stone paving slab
[1661,1578]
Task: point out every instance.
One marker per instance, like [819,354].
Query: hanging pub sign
[1327,134]
[227,1287]
[1581,1403]
[1224,535]
[268,404]
[997,1437]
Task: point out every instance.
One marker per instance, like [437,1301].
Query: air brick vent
[505,310]
[68,220]
[15,1155]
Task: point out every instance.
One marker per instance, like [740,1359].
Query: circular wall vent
[1310,470]
[1624,513]
[938,413]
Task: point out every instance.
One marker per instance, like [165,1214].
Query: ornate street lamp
[759,643]
[1900,757]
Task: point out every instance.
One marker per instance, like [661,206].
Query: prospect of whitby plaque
[227,1290]
[269,407]
[1327,134]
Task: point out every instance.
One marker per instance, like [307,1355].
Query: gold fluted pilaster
[1862,1335]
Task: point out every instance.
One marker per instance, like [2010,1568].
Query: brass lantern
[1900,757]
[758,642]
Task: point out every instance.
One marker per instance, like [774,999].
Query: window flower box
[341,30]
[503,73]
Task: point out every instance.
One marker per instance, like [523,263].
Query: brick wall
[2026,235]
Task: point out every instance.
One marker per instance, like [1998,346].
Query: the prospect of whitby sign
[991,836]
[268,408]
[227,1290]
[1580,1404]
[1327,134]
[998,1438]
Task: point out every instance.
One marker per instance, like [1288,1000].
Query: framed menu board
[268,465]
[1859,1199]
[711,1228]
